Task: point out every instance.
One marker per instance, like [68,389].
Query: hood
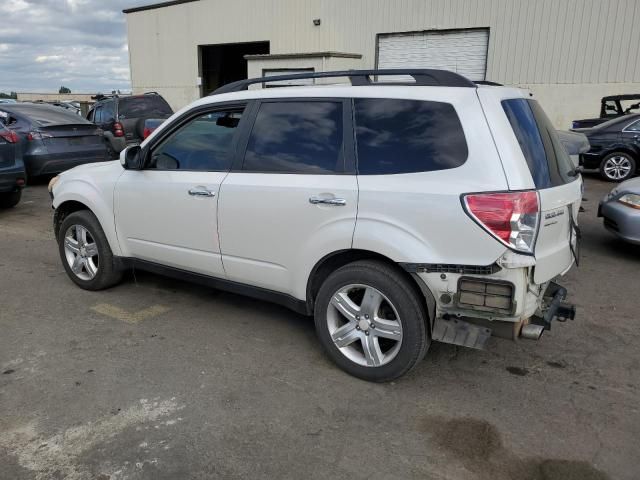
[93,168]
[632,186]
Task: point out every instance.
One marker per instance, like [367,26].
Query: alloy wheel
[81,252]
[617,167]
[364,325]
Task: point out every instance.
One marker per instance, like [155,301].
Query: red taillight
[118,130]
[511,217]
[147,131]
[9,135]
[38,136]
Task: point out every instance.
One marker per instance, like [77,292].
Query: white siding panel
[461,51]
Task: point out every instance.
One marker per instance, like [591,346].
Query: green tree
[64,90]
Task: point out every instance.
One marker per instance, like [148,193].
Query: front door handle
[338,202]
[201,192]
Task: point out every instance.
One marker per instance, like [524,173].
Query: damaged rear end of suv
[534,218]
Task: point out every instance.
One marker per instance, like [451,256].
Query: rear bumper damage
[506,304]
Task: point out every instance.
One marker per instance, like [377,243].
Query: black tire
[10,199]
[393,285]
[107,274]
[606,163]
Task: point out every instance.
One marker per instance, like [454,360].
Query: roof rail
[422,77]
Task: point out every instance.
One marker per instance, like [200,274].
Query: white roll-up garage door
[461,51]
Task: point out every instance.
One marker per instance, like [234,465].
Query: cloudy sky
[81,44]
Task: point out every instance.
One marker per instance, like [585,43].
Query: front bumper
[622,221]
[12,179]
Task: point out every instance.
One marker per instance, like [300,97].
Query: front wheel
[10,199]
[85,252]
[617,167]
[371,321]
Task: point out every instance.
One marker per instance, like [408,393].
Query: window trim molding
[637,120]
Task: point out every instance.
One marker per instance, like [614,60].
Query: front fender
[97,198]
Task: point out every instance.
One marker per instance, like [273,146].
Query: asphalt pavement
[160,379]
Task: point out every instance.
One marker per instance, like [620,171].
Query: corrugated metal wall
[531,41]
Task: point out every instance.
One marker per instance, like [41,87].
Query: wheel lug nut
[357,317]
[367,332]
[373,325]
[366,316]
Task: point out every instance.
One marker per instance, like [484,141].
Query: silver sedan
[621,211]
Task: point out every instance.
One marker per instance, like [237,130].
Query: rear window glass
[547,159]
[145,105]
[406,136]
[46,115]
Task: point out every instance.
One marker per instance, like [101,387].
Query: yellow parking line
[129,317]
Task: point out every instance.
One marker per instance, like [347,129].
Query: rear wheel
[10,199]
[85,252]
[617,167]
[371,321]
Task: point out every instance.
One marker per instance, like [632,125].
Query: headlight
[630,200]
[52,182]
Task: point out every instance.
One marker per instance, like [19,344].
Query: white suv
[395,213]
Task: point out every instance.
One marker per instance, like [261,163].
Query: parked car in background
[12,174]
[620,210]
[71,106]
[615,147]
[575,143]
[150,125]
[122,117]
[7,100]
[611,107]
[52,138]
[395,214]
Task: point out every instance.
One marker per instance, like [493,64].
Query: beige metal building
[568,52]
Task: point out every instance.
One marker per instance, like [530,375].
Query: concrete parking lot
[159,379]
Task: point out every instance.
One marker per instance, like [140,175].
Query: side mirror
[131,158]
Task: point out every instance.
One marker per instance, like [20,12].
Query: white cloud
[80,42]
[46,58]
[15,5]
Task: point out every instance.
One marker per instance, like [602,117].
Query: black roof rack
[422,77]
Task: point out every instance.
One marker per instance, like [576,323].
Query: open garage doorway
[225,63]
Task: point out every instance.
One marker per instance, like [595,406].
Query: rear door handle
[201,192]
[338,202]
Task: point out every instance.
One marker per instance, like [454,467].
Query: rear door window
[297,137]
[547,159]
[407,136]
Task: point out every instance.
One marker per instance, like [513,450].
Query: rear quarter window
[407,136]
[547,159]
